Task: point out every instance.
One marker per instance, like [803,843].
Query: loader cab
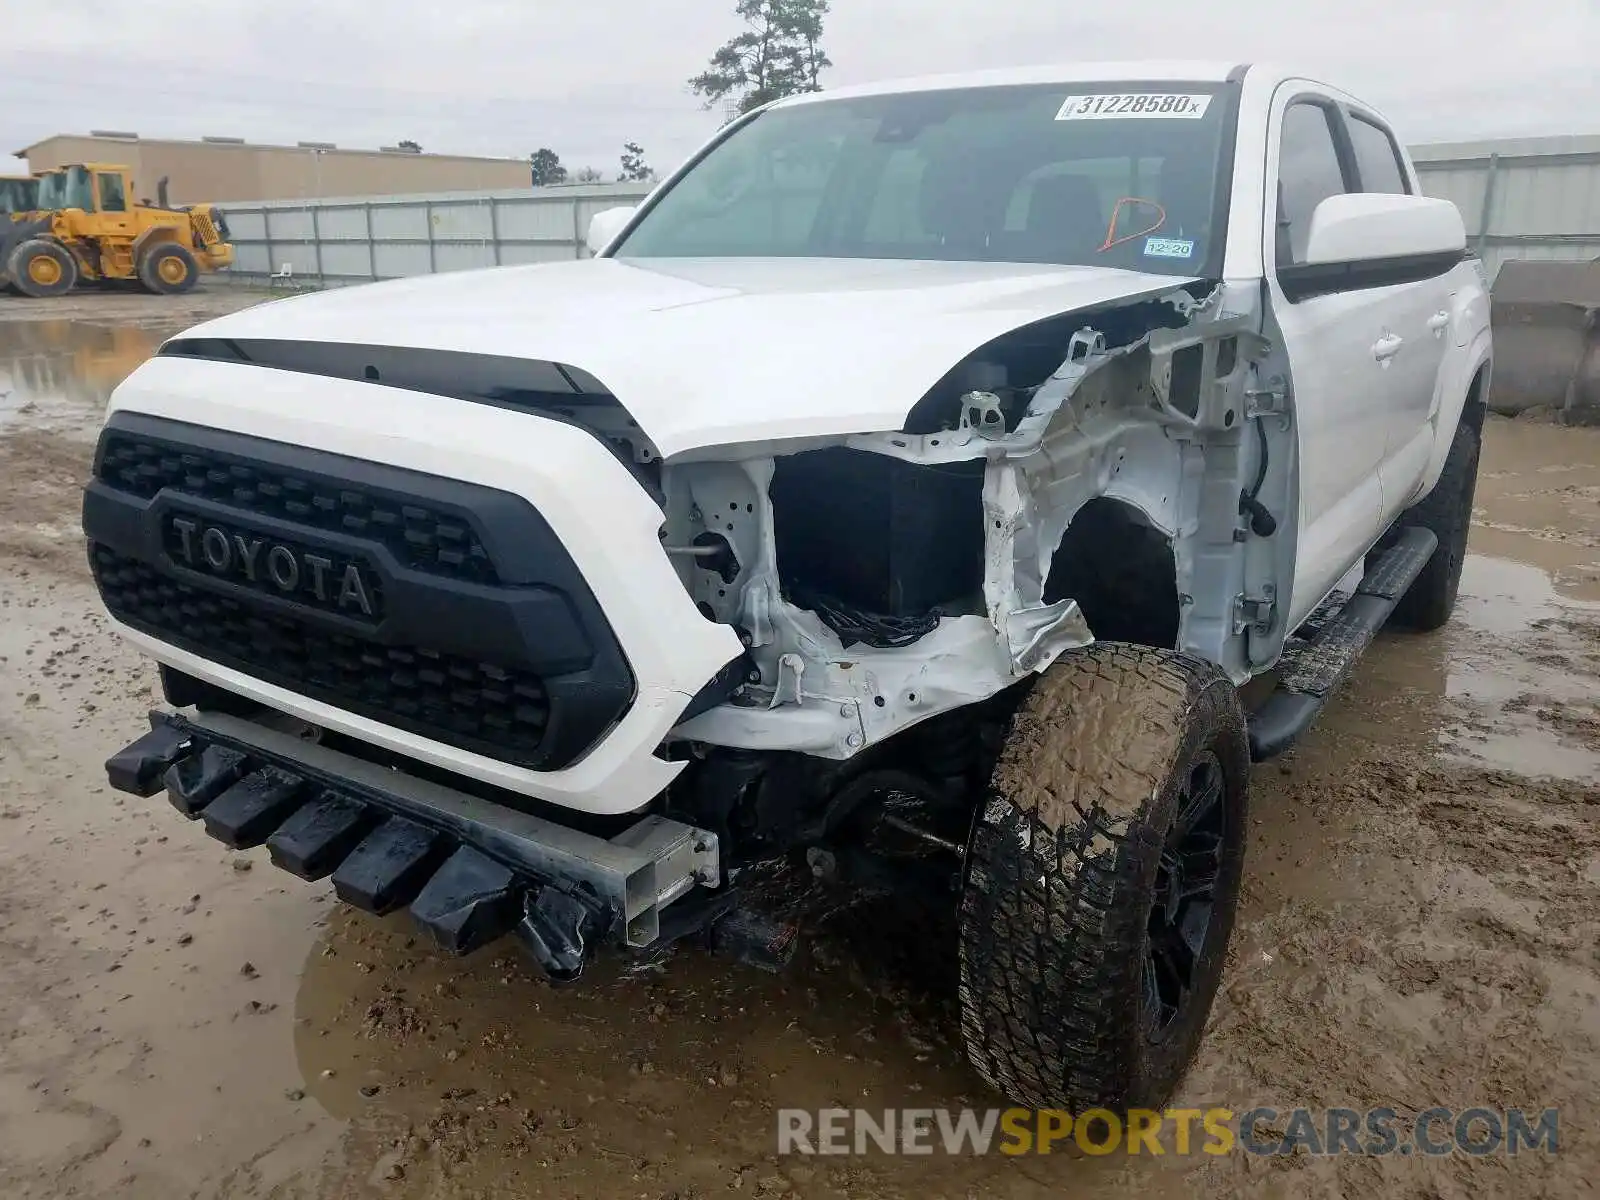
[113,190]
[65,188]
[88,187]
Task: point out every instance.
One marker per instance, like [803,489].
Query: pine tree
[779,54]
[634,168]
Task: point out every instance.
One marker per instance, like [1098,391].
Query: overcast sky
[503,77]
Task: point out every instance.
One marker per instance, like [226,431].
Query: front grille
[479,707]
[418,535]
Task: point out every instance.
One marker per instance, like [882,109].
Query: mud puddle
[1537,500]
[60,358]
[1418,927]
[60,371]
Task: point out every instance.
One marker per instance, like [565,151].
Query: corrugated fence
[1521,198]
[358,240]
[1524,198]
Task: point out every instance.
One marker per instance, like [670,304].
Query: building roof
[231,143]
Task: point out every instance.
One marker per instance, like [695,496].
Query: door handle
[1386,348]
[1439,322]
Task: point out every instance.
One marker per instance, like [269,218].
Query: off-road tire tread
[1447,511]
[1052,933]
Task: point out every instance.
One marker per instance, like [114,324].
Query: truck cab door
[1340,345]
[1427,309]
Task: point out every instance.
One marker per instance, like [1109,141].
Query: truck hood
[711,352]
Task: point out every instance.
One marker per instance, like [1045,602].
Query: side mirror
[1365,225]
[605,225]
[1375,239]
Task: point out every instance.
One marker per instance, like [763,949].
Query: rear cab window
[1377,156]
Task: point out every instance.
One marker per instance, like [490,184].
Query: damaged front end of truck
[1093,475]
[1112,472]
[1117,474]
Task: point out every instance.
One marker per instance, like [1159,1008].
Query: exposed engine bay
[1092,475]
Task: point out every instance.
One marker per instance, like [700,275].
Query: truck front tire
[1447,510]
[1101,880]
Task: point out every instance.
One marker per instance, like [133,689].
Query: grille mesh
[419,536]
[475,706]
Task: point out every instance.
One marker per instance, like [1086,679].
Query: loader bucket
[1547,340]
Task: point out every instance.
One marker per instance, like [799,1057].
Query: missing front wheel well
[1121,571]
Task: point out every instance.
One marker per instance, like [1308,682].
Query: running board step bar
[1311,670]
[469,870]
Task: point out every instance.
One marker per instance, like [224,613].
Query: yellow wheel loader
[87,227]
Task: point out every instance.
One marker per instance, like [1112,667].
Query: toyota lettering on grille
[274,566]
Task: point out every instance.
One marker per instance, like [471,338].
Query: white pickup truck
[897,500]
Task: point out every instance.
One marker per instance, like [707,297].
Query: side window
[1377,159]
[112,198]
[1308,173]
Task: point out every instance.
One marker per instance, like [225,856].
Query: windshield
[67,188]
[1120,175]
[17,195]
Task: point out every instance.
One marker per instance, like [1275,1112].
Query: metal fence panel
[519,254]
[292,225]
[351,239]
[251,258]
[456,221]
[342,224]
[247,225]
[1462,186]
[1556,199]
[1521,198]
[301,258]
[537,220]
[462,256]
[346,260]
[399,221]
[392,260]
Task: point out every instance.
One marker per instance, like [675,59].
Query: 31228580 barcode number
[1123,106]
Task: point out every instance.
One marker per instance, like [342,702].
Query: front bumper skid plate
[470,870]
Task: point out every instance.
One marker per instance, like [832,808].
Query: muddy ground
[1419,924]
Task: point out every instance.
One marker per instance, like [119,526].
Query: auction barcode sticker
[1123,106]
